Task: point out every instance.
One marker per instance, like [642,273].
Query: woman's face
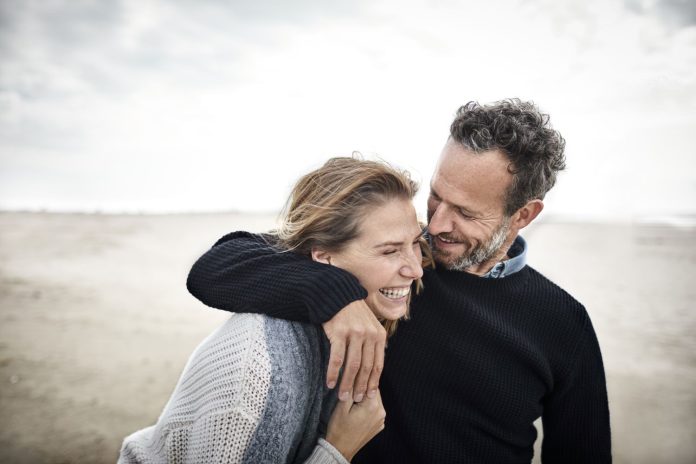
[385,257]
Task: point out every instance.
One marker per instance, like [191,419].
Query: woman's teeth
[395,293]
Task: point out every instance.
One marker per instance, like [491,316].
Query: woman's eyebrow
[383,244]
[396,243]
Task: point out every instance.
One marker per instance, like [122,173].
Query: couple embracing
[313,367]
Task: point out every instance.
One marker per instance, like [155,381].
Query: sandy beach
[96,325]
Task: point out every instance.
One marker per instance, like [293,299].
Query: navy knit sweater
[466,376]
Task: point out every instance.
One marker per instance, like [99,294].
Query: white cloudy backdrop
[136,105]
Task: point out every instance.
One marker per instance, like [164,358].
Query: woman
[253,391]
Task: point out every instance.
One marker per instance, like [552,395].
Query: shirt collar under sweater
[517,259]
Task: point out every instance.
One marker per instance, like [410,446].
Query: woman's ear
[321,256]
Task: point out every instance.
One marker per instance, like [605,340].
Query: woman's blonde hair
[327,205]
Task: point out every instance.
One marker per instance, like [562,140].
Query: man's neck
[485,267]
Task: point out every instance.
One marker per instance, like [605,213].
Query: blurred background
[134,133]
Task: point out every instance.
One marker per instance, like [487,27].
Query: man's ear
[321,256]
[526,214]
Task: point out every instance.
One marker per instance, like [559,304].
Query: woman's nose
[413,268]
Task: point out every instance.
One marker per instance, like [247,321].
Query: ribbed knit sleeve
[325,453]
[576,415]
[245,273]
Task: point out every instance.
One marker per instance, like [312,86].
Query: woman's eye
[389,252]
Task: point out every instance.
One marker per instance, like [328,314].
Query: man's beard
[479,254]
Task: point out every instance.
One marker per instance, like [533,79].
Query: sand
[96,325]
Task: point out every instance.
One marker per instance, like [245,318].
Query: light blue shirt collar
[517,259]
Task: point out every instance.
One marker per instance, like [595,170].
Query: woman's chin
[392,311]
[385,308]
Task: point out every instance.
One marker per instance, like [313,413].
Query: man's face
[466,215]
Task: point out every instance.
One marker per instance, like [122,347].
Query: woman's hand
[358,338]
[352,425]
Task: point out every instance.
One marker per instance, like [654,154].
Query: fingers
[373,406]
[372,411]
[378,398]
[352,425]
[338,351]
[368,355]
[344,406]
[378,366]
[351,367]
[357,343]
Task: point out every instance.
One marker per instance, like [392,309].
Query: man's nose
[440,221]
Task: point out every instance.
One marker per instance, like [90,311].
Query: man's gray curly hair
[524,135]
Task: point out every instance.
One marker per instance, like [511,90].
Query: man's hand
[356,337]
[352,425]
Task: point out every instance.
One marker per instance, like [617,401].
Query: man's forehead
[493,164]
[472,179]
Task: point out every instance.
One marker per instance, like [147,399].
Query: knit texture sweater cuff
[325,453]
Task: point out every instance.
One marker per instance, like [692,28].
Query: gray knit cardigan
[252,392]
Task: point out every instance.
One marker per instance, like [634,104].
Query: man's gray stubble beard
[481,253]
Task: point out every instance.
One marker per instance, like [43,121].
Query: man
[491,345]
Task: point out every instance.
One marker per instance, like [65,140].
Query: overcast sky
[210,105]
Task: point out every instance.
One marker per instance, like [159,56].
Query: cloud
[297,11]
[675,13]
[192,105]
